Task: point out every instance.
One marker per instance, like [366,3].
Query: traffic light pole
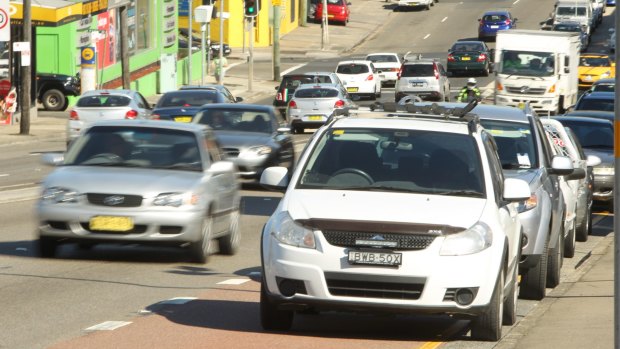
[189,43]
[251,56]
[276,42]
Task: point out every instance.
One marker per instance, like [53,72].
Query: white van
[575,11]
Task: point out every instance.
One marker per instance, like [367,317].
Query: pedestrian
[469,92]
[217,71]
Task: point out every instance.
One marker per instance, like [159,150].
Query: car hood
[394,207]
[606,155]
[594,70]
[528,175]
[146,182]
[241,139]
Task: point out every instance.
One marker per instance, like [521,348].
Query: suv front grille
[403,241]
[114,200]
[374,286]
[528,91]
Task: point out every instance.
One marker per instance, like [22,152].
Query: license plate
[465,58]
[351,89]
[494,26]
[315,117]
[375,258]
[183,118]
[417,84]
[413,4]
[111,223]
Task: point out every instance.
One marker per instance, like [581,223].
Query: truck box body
[539,67]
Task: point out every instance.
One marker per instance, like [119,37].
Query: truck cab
[580,11]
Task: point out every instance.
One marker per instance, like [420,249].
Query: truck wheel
[54,100]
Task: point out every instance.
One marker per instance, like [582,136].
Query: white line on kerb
[108,326]
[426,37]
[444,19]
[233,282]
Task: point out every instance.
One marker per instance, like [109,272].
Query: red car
[337,11]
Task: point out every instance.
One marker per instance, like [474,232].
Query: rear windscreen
[412,70]
[352,69]
[187,99]
[103,101]
[494,18]
[316,93]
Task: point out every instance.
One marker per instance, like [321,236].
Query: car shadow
[259,205]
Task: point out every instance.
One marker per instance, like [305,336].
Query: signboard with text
[5,21]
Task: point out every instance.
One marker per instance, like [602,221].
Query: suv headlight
[473,240]
[59,195]
[288,232]
[176,199]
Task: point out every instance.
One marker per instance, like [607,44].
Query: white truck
[539,67]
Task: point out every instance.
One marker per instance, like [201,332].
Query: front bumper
[539,104]
[466,66]
[425,95]
[603,189]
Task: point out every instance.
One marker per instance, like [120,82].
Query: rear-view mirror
[561,165]
[275,178]
[53,159]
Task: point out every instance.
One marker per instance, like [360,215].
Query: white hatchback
[398,214]
[360,78]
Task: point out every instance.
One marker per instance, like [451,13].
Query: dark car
[250,135]
[197,42]
[53,89]
[574,27]
[182,105]
[223,89]
[607,115]
[603,101]
[494,21]
[597,138]
[290,82]
[465,56]
[604,85]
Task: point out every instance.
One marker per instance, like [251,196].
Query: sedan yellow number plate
[111,223]
[315,117]
[466,58]
[351,89]
[183,118]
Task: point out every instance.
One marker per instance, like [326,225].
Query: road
[161,300]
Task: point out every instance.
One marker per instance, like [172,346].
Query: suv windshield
[413,70]
[395,160]
[527,63]
[515,144]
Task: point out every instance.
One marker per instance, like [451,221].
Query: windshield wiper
[460,193]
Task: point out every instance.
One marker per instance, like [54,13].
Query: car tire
[427,7]
[488,325]
[534,280]
[229,244]
[47,247]
[584,229]
[554,265]
[199,250]
[272,318]
[510,303]
[54,100]
[570,243]
[486,71]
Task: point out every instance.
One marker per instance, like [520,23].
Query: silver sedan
[313,104]
[141,181]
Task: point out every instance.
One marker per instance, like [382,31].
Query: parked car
[337,11]
[182,105]
[290,82]
[422,77]
[360,77]
[525,153]
[221,88]
[98,105]
[407,4]
[53,90]
[250,135]
[329,246]
[388,66]
[313,104]
[603,85]
[595,66]
[597,138]
[603,101]
[141,182]
[574,27]
[493,21]
[607,115]
[465,56]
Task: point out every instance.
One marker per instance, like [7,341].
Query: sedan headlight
[288,232]
[176,199]
[256,151]
[59,195]
[603,171]
[473,240]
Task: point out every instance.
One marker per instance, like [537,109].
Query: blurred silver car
[313,104]
[104,105]
[141,181]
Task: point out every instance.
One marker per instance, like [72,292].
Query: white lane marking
[21,249]
[4,175]
[233,282]
[514,3]
[444,19]
[426,37]
[292,68]
[178,300]
[233,65]
[108,326]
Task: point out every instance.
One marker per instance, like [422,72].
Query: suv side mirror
[561,165]
[274,178]
[516,190]
[593,160]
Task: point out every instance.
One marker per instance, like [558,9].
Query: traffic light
[251,7]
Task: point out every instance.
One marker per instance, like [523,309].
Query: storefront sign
[88,57]
[170,24]
[169,10]
[85,23]
[170,39]
[83,39]
[94,7]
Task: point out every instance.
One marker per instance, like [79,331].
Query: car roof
[119,92]
[190,92]
[496,12]
[159,124]
[318,73]
[593,54]
[376,120]
[313,85]
[489,111]
[605,81]
[382,54]
[239,106]
[599,95]
[468,42]
[201,87]
[357,61]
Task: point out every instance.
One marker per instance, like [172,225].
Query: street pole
[324,29]
[124,30]
[203,59]
[24,121]
[276,42]
[221,50]
[189,42]
[303,13]
[251,56]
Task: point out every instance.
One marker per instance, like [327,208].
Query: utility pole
[124,29]
[251,57]
[303,13]
[190,36]
[203,53]
[276,41]
[221,50]
[26,73]
[324,29]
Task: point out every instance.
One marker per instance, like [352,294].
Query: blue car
[492,21]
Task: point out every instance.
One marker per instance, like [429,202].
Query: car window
[604,87]
[515,143]
[497,175]
[194,99]
[413,70]
[352,68]
[316,93]
[237,120]
[394,160]
[494,18]
[594,62]
[595,104]
[382,58]
[592,134]
[104,101]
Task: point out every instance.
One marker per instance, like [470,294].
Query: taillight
[436,71]
[132,114]
[395,69]
[292,105]
[400,72]
[73,115]
[451,58]
[482,57]
[339,104]
[507,22]
[370,77]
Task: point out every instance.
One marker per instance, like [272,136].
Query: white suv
[390,211]
[360,78]
[423,77]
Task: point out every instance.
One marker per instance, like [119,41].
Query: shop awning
[52,13]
